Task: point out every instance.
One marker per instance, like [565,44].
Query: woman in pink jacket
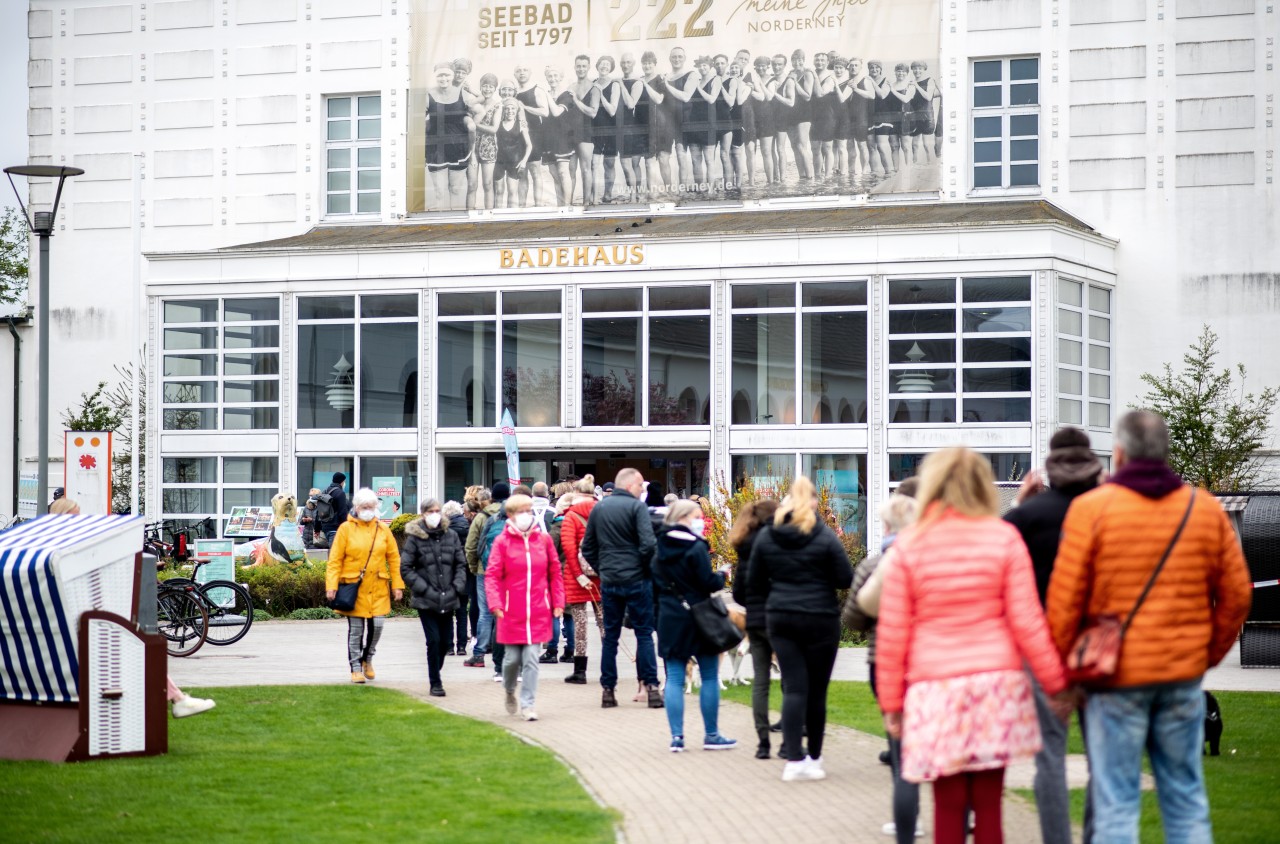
[525,589]
[958,617]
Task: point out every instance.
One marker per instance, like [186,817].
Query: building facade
[244,227]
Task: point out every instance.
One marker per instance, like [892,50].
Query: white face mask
[523,521]
[367,515]
[433,520]
[698,527]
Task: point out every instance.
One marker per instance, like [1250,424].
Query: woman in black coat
[452,512]
[746,528]
[798,563]
[434,569]
[682,575]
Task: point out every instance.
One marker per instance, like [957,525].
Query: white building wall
[1157,129]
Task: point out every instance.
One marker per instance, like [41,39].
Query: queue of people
[972,619]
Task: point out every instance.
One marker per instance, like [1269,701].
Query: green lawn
[306,763]
[1242,783]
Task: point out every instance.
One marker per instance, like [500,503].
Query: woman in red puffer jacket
[581,583]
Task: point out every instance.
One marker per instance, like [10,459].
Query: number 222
[656,31]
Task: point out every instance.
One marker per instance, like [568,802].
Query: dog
[1212,724]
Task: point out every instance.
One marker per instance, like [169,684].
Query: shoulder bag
[1095,655]
[582,561]
[345,599]
[712,620]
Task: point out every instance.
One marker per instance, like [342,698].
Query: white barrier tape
[1258,584]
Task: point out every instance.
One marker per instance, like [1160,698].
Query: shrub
[280,590]
[261,615]
[313,614]
[397,526]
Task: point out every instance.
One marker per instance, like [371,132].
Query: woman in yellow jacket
[364,543]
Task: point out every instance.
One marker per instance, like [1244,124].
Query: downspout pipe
[17,369]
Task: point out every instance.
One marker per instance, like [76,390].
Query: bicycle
[181,617]
[227,604]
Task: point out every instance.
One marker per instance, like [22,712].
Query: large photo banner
[601,102]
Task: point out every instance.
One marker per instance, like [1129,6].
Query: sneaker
[718,742]
[497,677]
[608,700]
[357,677]
[511,702]
[891,828]
[762,750]
[476,661]
[368,670]
[548,658]
[677,744]
[885,758]
[655,697]
[437,690]
[460,652]
[528,715]
[189,706]
[805,769]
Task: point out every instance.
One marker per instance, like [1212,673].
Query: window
[518,330]
[646,356]
[1008,467]
[960,350]
[358,360]
[1006,123]
[220,366]
[194,487]
[841,476]
[823,326]
[1084,355]
[353,154]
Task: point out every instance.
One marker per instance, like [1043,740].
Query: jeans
[557,625]
[522,660]
[634,599]
[1050,782]
[436,629]
[484,628]
[1168,720]
[806,646]
[761,662]
[708,696]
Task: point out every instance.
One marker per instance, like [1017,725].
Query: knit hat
[1071,461]
[501,491]
[339,478]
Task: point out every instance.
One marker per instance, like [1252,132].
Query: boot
[655,697]
[567,656]
[548,657]
[579,675]
[608,700]
[762,748]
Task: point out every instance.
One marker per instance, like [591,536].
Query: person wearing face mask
[682,572]
[434,568]
[525,590]
[364,551]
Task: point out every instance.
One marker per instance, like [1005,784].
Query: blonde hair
[64,506]
[586,485]
[680,511]
[518,504]
[959,479]
[799,508]
[898,512]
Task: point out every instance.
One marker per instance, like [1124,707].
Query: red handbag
[1095,654]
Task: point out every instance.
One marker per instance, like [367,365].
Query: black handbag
[711,618]
[345,599]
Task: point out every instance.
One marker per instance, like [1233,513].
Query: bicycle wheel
[230,611]
[182,620]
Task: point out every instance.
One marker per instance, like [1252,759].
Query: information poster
[87,470]
[221,566]
[249,521]
[390,497]
[603,102]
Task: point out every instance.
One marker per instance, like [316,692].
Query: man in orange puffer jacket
[1112,540]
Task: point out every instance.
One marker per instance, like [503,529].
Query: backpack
[553,530]
[324,509]
[492,530]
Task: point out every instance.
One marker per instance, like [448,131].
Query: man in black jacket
[340,503]
[1073,469]
[619,543]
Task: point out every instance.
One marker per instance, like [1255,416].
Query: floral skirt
[970,723]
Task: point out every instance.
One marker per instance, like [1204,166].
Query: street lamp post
[41,224]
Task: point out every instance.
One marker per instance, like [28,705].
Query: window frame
[219,352]
[799,310]
[353,144]
[1085,368]
[355,322]
[958,337]
[1005,112]
[220,485]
